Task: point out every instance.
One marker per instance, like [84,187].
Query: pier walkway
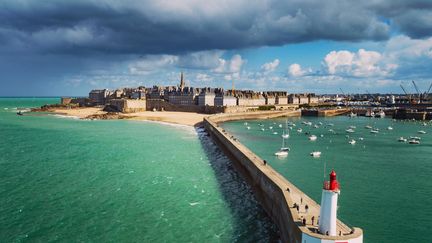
[276,194]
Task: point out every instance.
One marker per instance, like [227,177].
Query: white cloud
[405,47]
[360,64]
[270,66]
[152,63]
[232,66]
[203,77]
[295,70]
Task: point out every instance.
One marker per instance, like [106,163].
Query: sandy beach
[183,118]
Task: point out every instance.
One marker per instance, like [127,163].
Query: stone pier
[276,194]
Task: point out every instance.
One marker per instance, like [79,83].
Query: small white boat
[414,141]
[316,126]
[320,123]
[424,123]
[402,139]
[285,135]
[315,154]
[248,127]
[330,124]
[262,129]
[352,127]
[350,130]
[368,127]
[299,130]
[270,128]
[422,132]
[381,114]
[352,141]
[280,125]
[361,139]
[245,123]
[313,137]
[283,151]
[416,138]
[275,133]
[374,131]
[352,114]
[322,135]
[389,128]
[331,130]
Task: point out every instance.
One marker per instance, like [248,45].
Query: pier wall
[324,113]
[269,187]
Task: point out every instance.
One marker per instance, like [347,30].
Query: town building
[99,96]
[250,98]
[225,98]
[206,97]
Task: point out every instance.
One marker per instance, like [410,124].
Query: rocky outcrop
[108,116]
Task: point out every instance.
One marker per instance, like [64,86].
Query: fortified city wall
[129,105]
[269,187]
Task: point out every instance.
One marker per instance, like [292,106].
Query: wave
[180,126]
[65,116]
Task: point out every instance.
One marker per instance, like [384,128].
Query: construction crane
[418,92]
[406,93]
[426,94]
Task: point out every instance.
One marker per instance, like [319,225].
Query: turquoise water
[118,181]
[386,184]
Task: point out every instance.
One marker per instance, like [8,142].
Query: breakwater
[275,193]
[324,112]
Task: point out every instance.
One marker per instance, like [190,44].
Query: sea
[386,185]
[64,179]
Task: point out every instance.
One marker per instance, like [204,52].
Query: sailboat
[283,151]
[285,132]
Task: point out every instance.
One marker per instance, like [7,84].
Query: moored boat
[315,154]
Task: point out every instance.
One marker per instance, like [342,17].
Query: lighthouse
[328,211]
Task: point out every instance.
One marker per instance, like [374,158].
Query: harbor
[371,172]
[278,196]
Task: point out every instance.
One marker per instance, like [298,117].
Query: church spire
[182,83]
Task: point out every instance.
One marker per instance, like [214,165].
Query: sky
[69,47]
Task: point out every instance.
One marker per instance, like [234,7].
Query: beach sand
[183,118]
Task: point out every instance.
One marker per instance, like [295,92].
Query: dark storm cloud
[168,27]
[411,17]
[156,27]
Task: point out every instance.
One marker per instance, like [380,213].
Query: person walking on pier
[304,221]
[265,162]
[306,208]
[301,201]
[313,219]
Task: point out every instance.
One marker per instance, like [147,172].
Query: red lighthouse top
[333,184]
